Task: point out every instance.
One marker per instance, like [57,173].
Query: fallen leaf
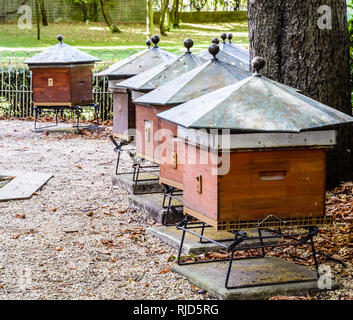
[20,216]
[164,271]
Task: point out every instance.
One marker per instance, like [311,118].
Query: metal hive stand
[138,166]
[39,110]
[171,193]
[240,237]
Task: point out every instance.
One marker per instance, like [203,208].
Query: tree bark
[149,18]
[112,26]
[305,56]
[162,21]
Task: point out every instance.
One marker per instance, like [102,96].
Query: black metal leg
[261,242]
[185,223]
[229,269]
[202,231]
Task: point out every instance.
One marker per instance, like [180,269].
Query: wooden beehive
[146,120]
[124,120]
[260,158]
[180,90]
[62,76]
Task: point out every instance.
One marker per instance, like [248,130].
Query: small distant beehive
[62,76]
[188,86]
[124,121]
[146,120]
[229,53]
[268,168]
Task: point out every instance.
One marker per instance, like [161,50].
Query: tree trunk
[44,14]
[38,19]
[303,51]
[112,26]
[149,17]
[176,11]
[162,21]
[84,11]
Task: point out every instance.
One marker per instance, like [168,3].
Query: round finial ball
[60,38]
[155,39]
[215,40]
[188,43]
[230,36]
[224,36]
[148,42]
[258,64]
[213,49]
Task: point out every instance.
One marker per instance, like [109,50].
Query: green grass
[97,36]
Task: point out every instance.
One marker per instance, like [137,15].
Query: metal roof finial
[257,64]
[148,43]
[213,49]
[155,39]
[60,38]
[224,37]
[230,37]
[215,40]
[188,43]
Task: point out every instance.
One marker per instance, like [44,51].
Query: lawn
[97,36]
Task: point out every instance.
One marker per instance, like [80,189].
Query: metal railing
[16,82]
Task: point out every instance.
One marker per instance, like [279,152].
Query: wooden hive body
[124,119]
[286,183]
[62,85]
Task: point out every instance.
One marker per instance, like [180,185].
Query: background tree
[311,57]
[163,17]
[149,18]
[43,13]
[112,26]
[175,13]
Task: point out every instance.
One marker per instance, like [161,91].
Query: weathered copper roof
[152,78]
[228,57]
[234,50]
[61,54]
[255,104]
[138,63]
[206,78]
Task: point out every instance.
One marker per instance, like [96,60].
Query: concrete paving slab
[124,181]
[68,128]
[211,277]
[172,237]
[151,204]
[23,185]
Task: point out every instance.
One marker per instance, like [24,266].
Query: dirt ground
[76,238]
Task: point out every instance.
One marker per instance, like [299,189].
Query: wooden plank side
[120,113]
[58,93]
[205,203]
[283,183]
[146,119]
[81,85]
[173,173]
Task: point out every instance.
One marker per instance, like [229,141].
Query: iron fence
[16,82]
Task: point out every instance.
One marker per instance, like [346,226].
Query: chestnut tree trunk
[306,46]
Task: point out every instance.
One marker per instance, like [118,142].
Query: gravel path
[76,238]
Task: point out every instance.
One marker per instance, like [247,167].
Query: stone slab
[68,128]
[211,277]
[125,182]
[172,237]
[23,185]
[151,204]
